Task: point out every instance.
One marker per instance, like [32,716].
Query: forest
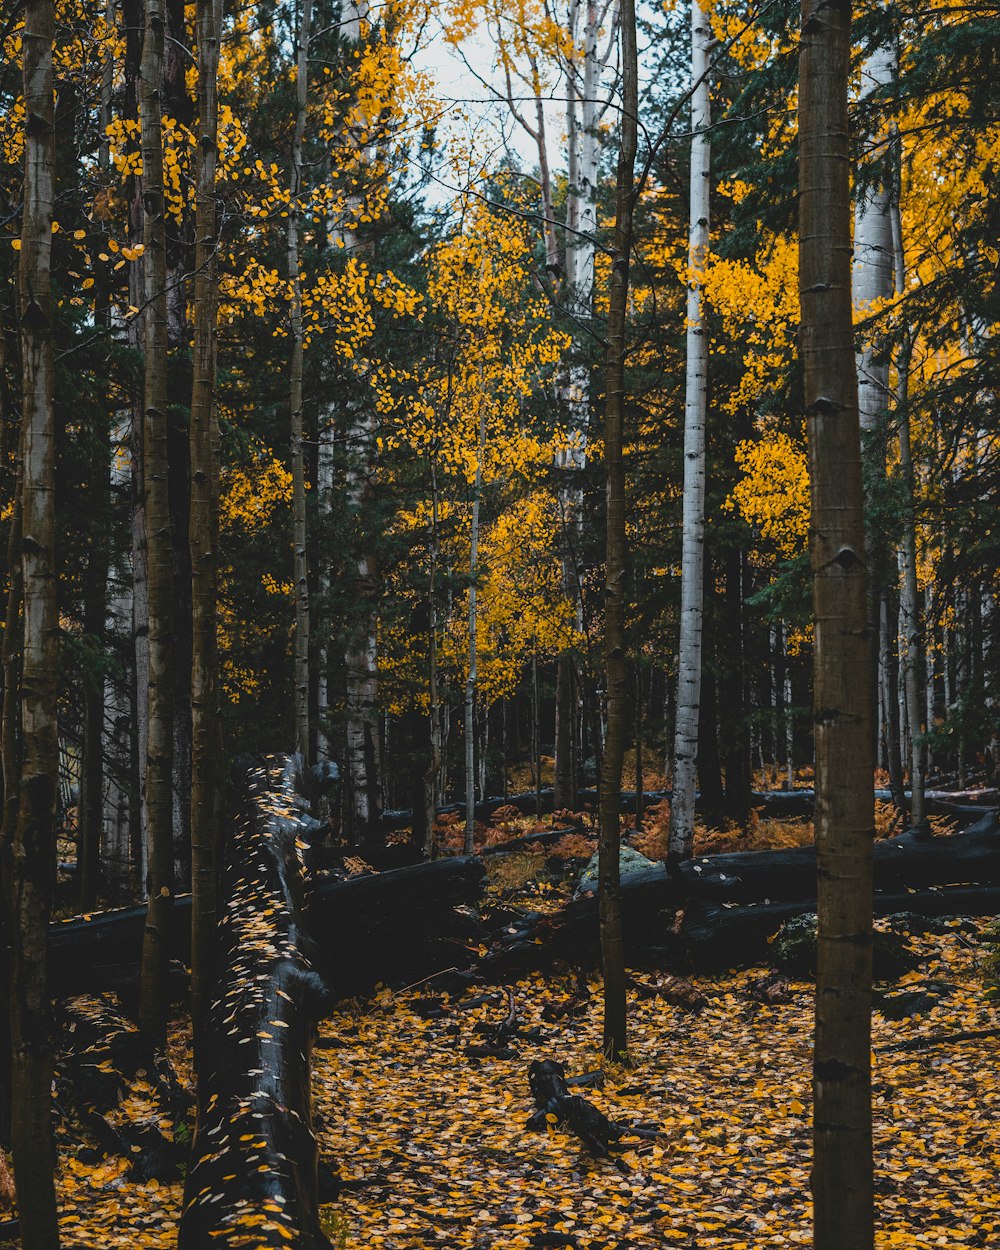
[500,661]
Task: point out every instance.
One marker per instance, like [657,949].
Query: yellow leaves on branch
[773,494]
[251,493]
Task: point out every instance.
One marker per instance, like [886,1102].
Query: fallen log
[125,1093]
[399,926]
[911,860]
[732,903]
[253,1174]
[555,1104]
[717,938]
[394,924]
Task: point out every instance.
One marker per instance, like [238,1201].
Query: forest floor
[437,1140]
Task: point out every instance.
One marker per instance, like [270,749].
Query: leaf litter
[434,1148]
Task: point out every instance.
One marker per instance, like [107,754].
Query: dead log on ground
[121,1088]
[556,1104]
[253,1176]
[399,926]
[733,903]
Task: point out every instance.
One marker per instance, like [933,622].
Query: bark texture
[158,792]
[33,849]
[204,529]
[609,846]
[695,414]
[300,561]
[842,1166]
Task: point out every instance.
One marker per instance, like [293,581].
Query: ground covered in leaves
[437,1141]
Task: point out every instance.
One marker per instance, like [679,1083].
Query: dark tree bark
[158,795]
[206,729]
[254,1153]
[33,848]
[612,947]
[842,1129]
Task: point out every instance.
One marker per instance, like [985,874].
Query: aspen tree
[616,677]
[695,414]
[32,854]
[842,1128]
[872,282]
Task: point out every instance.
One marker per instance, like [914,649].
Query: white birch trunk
[911,623]
[695,413]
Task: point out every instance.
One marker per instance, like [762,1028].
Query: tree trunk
[431,779]
[609,846]
[695,415]
[10,754]
[842,1131]
[470,681]
[206,728]
[872,284]
[158,796]
[91,804]
[33,850]
[888,671]
[910,613]
[300,563]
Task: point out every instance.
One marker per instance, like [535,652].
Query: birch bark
[695,415]
[609,843]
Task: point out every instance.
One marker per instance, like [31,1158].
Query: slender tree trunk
[300,554]
[536,747]
[910,613]
[789,723]
[609,846]
[888,670]
[842,1129]
[206,729]
[33,850]
[92,764]
[470,681]
[10,754]
[158,804]
[639,779]
[433,708]
[695,416]
[872,284]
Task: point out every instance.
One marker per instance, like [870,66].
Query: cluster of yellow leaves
[251,493]
[773,494]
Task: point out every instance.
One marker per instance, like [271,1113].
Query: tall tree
[872,284]
[33,850]
[616,677]
[204,527]
[158,797]
[689,650]
[300,557]
[842,1130]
